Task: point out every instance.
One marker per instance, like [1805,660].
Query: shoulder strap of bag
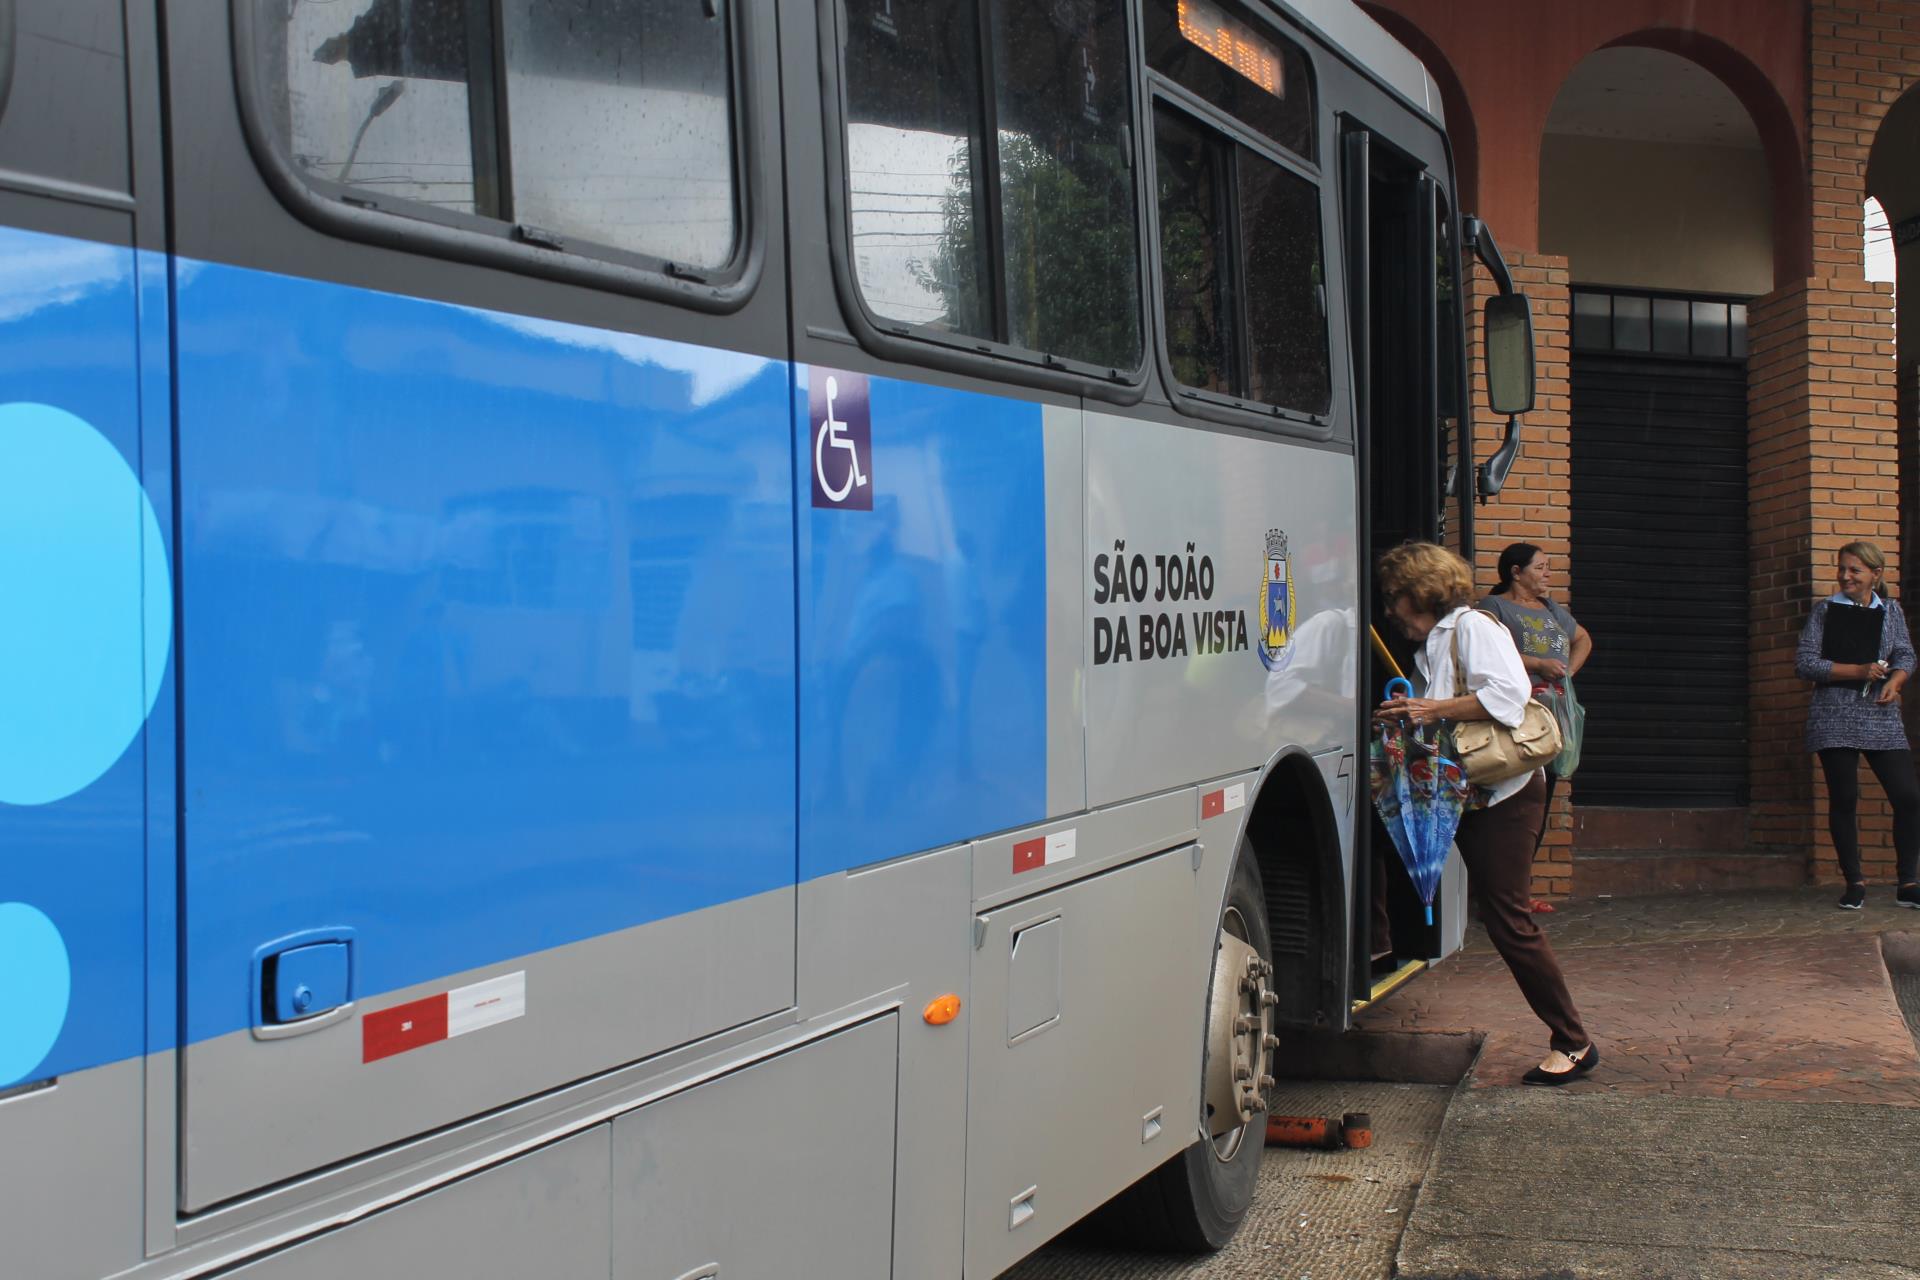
[1460,689]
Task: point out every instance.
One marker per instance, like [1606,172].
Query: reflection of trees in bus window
[620,125]
[1066,185]
[912,94]
[1242,282]
[1066,277]
[1286,325]
[1193,251]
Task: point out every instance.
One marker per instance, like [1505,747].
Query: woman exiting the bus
[1855,711]
[1427,589]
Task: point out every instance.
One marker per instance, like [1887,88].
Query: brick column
[1821,472]
[1534,505]
[1838,435]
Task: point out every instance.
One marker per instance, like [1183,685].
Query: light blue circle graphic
[88,599]
[36,982]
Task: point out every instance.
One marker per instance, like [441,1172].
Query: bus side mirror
[1509,332]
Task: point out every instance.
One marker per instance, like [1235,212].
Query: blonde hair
[1433,579]
[1867,554]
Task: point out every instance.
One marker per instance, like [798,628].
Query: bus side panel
[1087,1025]
[489,669]
[923,628]
[1232,631]
[83,654]
[88,588]
[547,1214]
[899,930]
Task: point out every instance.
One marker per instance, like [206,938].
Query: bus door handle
[705,1271]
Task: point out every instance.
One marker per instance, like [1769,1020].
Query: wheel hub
[1240,1035]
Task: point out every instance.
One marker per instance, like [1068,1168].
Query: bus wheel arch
[1294,838]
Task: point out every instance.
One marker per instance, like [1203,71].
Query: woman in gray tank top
[1552,645]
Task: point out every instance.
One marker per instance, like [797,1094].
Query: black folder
[1852,635]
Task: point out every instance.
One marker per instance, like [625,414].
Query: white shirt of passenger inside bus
[1494,674]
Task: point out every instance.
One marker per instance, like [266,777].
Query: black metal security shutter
[1659,543]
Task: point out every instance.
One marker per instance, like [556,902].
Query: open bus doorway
[1405,313]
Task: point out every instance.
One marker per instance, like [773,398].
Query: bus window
[379,101]
[1192,165]
[6,50]
[1286,324]
[1215,51]
[1033,242]
[914,167]
[611,122]
[1066,183]
[1242,282]
[621,123]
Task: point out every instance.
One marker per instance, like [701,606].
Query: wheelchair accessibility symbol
[838,412]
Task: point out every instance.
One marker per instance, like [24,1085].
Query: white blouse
[1494,673]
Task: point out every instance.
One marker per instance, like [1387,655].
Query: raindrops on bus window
[1066,183]
[1286,325]
[912,89]
[622,125]
[373,94]
[1194,249]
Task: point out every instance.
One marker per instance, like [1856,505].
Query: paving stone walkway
[1770,994]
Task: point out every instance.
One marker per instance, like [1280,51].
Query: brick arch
[1891,175]
[1787,170]
[1461,130]
[1864,65]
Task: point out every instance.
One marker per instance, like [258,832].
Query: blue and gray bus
[694,638]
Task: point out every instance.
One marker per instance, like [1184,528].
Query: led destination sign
[1233,43]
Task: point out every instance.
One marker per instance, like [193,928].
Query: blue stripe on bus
[490,630]
[489,640]
[923,631]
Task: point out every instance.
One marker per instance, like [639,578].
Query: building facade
[1683,189]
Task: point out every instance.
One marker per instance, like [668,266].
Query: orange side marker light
[941,1010]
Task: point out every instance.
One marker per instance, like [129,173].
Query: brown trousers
[1497,845]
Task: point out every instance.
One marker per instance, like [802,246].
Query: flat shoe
[1589,1059]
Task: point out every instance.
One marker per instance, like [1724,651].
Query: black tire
[1196,1201]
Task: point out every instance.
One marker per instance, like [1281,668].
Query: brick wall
[1822,471]
[1533,506]
[1865,54]
[1825,462]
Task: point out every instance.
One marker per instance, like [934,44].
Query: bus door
[1404,329]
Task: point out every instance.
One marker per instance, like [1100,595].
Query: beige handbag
[1491,753]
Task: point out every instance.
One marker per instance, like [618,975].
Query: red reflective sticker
[1213,804]
[1030,855]
[403,1027]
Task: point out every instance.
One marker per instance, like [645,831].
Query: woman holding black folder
[1856,651]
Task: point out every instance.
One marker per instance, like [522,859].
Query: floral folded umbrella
[1420,795]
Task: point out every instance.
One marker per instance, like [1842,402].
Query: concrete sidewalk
[1756,1114]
